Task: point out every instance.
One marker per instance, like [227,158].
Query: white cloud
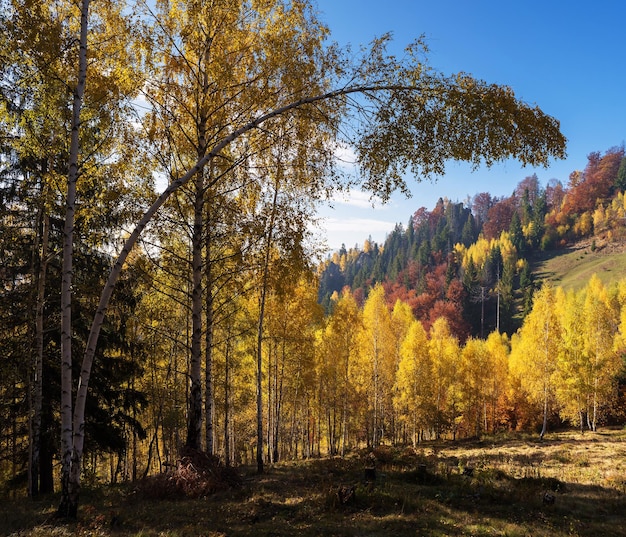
[361,225]
[345,157]
[352,231]
[360,199]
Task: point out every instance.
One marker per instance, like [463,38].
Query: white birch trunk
[70,463]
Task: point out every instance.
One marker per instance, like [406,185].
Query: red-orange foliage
[422,305]
[596,182]
[436,214]
[530,185]
[453,313]
[434,289]
[499,218]
[554,194]
[435,301]
[435,281]
[481,203]
[420,216]
[411,274]
[456,292]
[359,296]
[395,291]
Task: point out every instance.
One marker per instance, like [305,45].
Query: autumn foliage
[199,319]
[549,372]
[470,363]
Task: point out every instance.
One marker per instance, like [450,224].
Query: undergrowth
[196,475]
[514,487]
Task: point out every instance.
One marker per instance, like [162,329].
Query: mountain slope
[572,267]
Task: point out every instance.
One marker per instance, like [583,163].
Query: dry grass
[572,267]
[569,484]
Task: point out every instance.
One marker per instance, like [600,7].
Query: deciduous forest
[159,169]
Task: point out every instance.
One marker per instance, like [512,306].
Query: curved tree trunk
[440,91]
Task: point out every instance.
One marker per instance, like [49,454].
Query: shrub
[196,475]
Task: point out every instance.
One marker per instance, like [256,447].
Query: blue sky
[569,58]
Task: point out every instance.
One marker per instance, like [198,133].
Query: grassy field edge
[514,485]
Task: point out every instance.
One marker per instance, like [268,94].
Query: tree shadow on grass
[438,491]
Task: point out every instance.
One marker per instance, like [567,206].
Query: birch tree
[572,384]
[202,61]
[498,347]
[336,351]
[376,364]
[534,357]
[101,106]
[70,130]
[444,352]
[401,321]
[475,372]
[414,400]
[600,324]
[70,467]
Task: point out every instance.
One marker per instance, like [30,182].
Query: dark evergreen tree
[526,208]
[539,218]
[527,289]
[331,280]
[16,344]
[469,233]
[493,268]
[452,268]
[410,239]
[517,235]
[424,253]
[473,297]
[506,302]
[112,396]
[620,181]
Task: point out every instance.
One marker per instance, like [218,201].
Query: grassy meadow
[571,268]
[569,484]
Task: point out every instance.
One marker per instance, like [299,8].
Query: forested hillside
[476,263]
[457,333]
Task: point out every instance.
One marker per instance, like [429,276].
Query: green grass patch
[571,268]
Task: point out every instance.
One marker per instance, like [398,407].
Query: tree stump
[370,474]
[421,473]
[345,494]
[370,467]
